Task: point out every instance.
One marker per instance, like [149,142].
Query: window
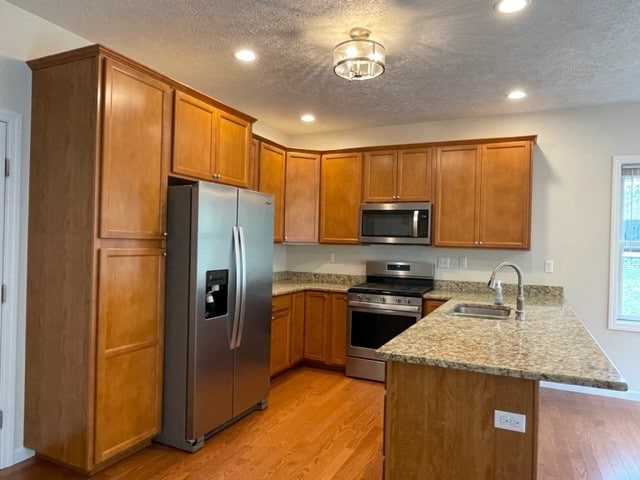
[624,283]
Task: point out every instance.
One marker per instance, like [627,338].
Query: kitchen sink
[481,311]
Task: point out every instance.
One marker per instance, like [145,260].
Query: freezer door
[210,378]
[255,219]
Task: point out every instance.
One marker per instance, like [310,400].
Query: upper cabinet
[340,193]
[302,187]
[271,180]
[210,143]
[398,175]
[135,153]
[483,196]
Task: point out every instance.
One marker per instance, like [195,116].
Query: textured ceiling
[445,58]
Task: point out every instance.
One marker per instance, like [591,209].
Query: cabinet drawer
[280,302]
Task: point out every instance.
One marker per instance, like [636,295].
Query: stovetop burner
[397,278]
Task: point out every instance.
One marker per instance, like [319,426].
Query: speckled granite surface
[290,282]
[551,344]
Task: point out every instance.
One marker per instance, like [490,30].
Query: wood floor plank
[321,425]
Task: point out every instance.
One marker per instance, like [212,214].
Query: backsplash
[507,288]
[447,285]
[310,277]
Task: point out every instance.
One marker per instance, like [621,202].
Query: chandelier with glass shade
[359,58]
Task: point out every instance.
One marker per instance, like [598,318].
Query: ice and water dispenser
[216,290]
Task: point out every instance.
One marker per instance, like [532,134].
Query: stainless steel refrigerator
[218,309]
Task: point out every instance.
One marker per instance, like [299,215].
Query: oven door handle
[384,306]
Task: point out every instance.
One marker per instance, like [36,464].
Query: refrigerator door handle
[237,252]
[243,284]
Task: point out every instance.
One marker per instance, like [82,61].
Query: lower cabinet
[325,324]
[429,305]
[287,331]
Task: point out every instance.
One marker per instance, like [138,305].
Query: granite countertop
[292,286]
[552,344]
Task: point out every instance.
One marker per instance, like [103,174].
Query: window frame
[614,247]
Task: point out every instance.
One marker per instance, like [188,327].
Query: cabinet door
[431,304]
[129,348]
[337,353]
[340,194]
[455,204]
[301,197]
[135,154]
[380,176]
[297,327]
[193,137]
[505,195]
[280,341]
[414,175]
[316,311]
[271,176]
[233,144]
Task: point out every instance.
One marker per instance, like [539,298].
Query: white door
[5,387]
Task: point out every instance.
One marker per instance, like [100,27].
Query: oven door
[371,327]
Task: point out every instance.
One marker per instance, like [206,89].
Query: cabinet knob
[164,234]
[273,318]
[480,243]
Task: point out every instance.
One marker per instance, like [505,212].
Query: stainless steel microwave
[397,223]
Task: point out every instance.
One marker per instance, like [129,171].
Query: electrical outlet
[331,257]
[462,263]
[548,266]
[510,421]
[443,262]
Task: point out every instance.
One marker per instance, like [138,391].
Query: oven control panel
[380,300]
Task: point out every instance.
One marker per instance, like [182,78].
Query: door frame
[12,337]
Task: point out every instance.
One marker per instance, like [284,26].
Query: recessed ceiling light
[245,55]
[511,6]
[516,95]
[308,118]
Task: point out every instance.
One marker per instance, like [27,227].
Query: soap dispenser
[497,299]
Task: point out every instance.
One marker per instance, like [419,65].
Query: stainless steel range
[387,304]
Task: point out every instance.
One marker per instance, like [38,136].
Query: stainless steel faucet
[520,298]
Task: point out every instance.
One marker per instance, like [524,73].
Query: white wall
[571,209]
[15,96]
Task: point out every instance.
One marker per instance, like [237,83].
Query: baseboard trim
[628,395]
[21,454]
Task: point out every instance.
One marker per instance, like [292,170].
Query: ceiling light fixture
[511,6]
[358,58]
[308,118]
[245,55]
[516,95]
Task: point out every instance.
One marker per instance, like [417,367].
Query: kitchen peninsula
[448,375]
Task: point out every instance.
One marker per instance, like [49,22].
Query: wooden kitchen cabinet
[398,175]
[101,133]
[340,197]
[483,196]
[287,331]
[301,197]
[280,334]
[297,327]
[325,328]
[210,143]
[430,304]
[271,180]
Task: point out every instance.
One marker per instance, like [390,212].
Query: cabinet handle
[164,234]
[480,243]
[164,254]
[273,318]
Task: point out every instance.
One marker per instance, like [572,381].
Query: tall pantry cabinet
[101,140]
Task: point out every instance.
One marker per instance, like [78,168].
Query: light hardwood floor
[322,425]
